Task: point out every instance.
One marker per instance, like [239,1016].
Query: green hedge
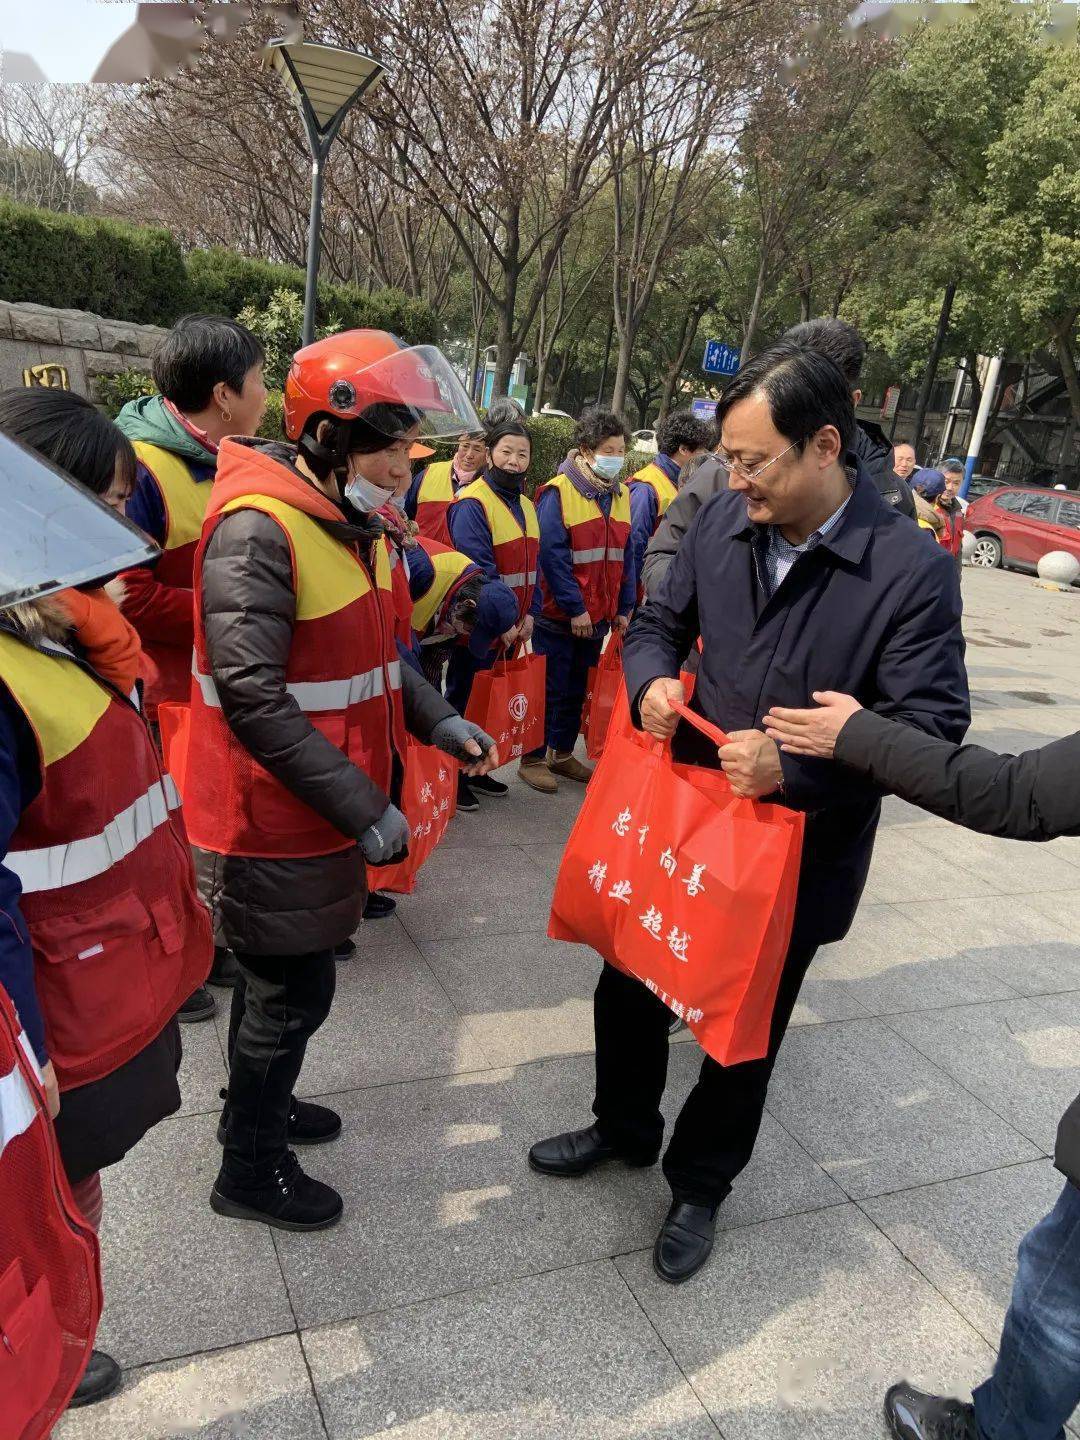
[138,273]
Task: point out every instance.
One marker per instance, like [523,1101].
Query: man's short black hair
[198,353]
[596,426]
[805,391]
[681,427]
[71,432]
[840,341]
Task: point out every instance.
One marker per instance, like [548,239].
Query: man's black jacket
[1034,796]
[876,457]
[873,611]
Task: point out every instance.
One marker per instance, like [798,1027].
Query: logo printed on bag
[519,706]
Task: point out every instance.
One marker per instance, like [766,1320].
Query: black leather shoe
[308,1124]
[485,785]
[224,971]
[577,1152]
[200,1005]
[100,1379]
[345,951]
[466,800]
[290,1200]
[378,906]
[911,1415]
[685,1241]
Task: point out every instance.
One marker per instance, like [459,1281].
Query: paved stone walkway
[464,1298]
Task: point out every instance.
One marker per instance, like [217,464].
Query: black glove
[388,839]
[450,735]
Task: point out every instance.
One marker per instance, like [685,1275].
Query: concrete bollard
[1058,570]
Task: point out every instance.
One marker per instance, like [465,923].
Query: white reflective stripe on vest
[315,695]
[518,578]
[17,1109]
[54,866]
[586,557]
[616,552]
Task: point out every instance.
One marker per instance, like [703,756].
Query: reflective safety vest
[401,595]
[119,935]
[597,550]
[433,500]
[185,500]
[665,491]
[516,549]
[343,671]
[450,571]
[50,1279]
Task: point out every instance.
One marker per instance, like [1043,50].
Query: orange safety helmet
[371,375]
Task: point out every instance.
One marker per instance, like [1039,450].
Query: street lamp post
[326,82]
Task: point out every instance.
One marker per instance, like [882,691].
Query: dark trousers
[278,1004]
[715,1133]
[460,673]
[569,661]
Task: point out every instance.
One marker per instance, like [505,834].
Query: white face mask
[608,466]
[366,497]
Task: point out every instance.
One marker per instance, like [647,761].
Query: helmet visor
[56,534]
[416,386]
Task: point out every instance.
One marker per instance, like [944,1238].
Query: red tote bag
[507,702]
[678,882]
[429,803]
[174,727]
[601,697]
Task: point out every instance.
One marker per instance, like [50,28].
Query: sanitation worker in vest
[680,439]
[432,492]
[494,523]
[455,603]
[588,584]
[209,374]
[104,934]
[299,711]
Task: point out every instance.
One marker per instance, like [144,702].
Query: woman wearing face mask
[494,523]
[588,582]
[299,712]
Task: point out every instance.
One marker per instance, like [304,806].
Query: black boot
[577,1152]
[911,1415]
[289,1200]
[466,800]
[485,785]
[200,1005]
[345,951]
[224,971]
[309,1124]
[100,1380]
[685,1241]
[378,906]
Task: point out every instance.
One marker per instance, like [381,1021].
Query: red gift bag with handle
[680,883]
[601,697]
[507,702]
[174,727]
[429,803]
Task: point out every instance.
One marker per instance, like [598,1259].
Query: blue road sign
[720,359]
[703,409]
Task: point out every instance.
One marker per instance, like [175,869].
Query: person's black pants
[278,1004]
[715,1133]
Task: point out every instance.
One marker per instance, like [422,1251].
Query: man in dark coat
[1035,1386]
[797,573]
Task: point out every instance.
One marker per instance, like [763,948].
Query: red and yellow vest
[185,500]
[450,570]
[597,549]
[343,672]
[664,490]
[516,549]
[433,500]
[401,595]
[119,935]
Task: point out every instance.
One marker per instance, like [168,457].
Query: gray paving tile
[482,889]
[1012,1054]
[547,857]
[1013,866]
[1023,947]
[1064,1007]
[524,997]
[178,1278]
[796,1327]
[900,870]
[522,817]
[962,1234]
[253,1392]
[564,1356]
[890,962]
[202,1070]
[877,1116]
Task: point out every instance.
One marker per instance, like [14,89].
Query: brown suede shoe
[536,773]
[570,766]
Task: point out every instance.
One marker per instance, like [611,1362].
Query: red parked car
[1019,524]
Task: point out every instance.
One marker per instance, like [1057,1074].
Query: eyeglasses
[736,467]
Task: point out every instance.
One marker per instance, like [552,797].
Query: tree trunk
[504,351]
[622,371]
[541,379]
[755,312]
[691,321]
[932,363]
[474,364]
[1067,356]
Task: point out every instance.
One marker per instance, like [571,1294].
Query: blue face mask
[608,467]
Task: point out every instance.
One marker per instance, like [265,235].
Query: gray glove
[450,735]
[388,839]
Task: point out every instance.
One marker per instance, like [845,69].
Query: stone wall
[85,345]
